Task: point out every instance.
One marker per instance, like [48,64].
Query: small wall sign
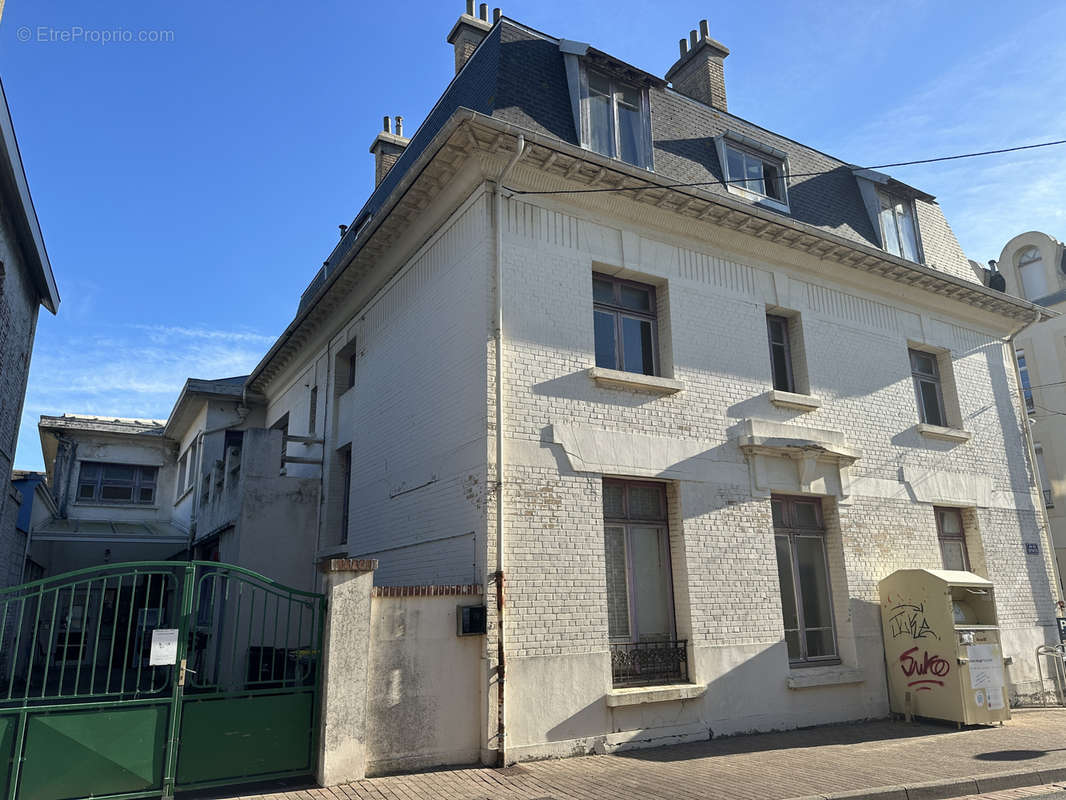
[164,647]
[1032,549]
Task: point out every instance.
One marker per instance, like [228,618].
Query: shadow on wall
[749,695]
[1019,471]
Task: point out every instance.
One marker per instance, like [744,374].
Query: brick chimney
[387,148]
[699,73]
[469,30]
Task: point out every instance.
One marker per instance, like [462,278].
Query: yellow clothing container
[942,646]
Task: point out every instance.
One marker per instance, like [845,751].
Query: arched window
[1031,271]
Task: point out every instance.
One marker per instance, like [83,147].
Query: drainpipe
[1031,447]
[500,659]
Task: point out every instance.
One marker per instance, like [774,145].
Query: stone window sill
[634,380]
[812,677]
[795,401]
[637,695]
[944,434]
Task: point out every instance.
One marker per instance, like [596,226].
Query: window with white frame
[182,467]
[952,539]
[133,484]
[925,371]
[624,319]
[803,572]
[756,172]
[1031,272]
[1027,387]
[898,230]
[616,119]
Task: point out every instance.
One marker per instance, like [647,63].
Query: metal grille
[649,663]
[1048,502]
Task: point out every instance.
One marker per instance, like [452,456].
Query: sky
[190,185]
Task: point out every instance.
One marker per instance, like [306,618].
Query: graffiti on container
[927,664]
[909,620]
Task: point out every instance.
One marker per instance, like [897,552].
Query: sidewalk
[883,760]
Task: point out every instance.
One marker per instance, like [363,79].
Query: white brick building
[675,390]
[658,481]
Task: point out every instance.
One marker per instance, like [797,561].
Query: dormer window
[898,231]
[758,174]
[754,171]
[616,120]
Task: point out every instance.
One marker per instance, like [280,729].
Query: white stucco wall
[424,685]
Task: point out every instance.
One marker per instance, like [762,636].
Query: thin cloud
[126,371]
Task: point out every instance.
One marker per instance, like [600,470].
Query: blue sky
[189,189]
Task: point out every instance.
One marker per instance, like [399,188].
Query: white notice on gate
[986,670]
[164,647]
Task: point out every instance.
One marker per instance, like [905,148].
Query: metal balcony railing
[649,663]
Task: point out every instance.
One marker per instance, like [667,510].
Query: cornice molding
[469,134]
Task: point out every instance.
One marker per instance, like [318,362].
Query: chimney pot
[387,148]
[496,14]
[468,32]
[699,72]
[343,229]
[387,126]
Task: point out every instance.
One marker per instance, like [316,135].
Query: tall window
[617,120]
[351,369]
[926,374]
[1031,271]
[625,324]
[898,231]
[346,501]
[803,571]
[761,174]
[312,411]
[116,483]
[637,545]
[1027,387]
[780,353]
[952,539]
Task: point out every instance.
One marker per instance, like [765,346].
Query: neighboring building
[111,482]
[1033,266]
[26,284]
[206,478]
[38,506]
[684,390]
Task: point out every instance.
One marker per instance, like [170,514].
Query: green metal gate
[135,680]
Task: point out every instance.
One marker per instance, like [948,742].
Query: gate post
[345,660]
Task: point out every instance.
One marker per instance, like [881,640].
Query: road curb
[950,787]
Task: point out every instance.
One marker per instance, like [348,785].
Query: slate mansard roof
[518,76]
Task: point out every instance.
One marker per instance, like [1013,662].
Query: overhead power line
[795,174]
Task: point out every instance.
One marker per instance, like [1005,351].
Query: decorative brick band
[347,565]
[427,591]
